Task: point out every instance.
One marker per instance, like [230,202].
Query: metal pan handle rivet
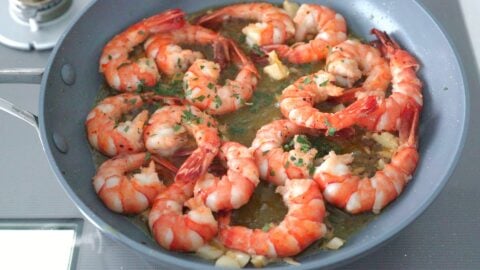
[68,74]
[60,143]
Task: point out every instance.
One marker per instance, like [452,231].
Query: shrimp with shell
[111,136]
[236,186]
[170,57]
[328,26]
[302,225]
[126,192]
[167,131]
[273,25]
[203,91]
[275,164]
[174,230]
[125,74]
[398,112]
[347,63]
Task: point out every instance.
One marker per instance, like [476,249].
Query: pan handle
[25,75]
[21,75]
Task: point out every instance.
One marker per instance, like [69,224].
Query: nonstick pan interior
[65,103]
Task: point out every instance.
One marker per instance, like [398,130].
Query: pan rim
[333,260]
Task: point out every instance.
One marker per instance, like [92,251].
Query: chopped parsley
[256,50]
[210,85]
[331,130]
[307,80]
[218,102]
[147,156]
[305,144]
[176,127]
[299,162]
[199,98]
[174,88]
[189,117]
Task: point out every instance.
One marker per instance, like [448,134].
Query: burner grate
[40,11]
[36,24]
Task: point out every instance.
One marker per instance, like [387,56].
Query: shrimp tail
[347,96]
[221,53]
[363,112]
[194,167]
[165,163]
[240,57]
[151,97]
[168,20]
[386,42]
[409,125]
[282,50]
[212,19]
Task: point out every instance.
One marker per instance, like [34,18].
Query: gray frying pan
[71,81]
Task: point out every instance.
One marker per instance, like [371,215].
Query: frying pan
[71,81]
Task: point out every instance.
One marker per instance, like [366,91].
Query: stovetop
[446,236]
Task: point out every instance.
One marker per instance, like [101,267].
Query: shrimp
[329,26]
[174,230]
[123,193]
[274,163]
[170,57]
[406,87]
[124,74]
[350,60]
[236,187]
[167,130]
[347,63]
[274,26]
[346,190]
[398,112]
[202,90]
[302,225]
[107,134]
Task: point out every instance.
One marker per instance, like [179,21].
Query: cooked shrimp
[348,62]
[107,134]
[351,60]
[125,74]
[166,132]
[406,87]
[399,112]
[236,187]
[202,90]
[329,27]
[273,26]
[123,193]
[302,225]
[169,56]
[174,230]
[345,190]
[274,163]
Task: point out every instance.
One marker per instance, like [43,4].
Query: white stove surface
[445,236]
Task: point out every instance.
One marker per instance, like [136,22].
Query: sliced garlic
[291,261]
[233,259]
[386,139]
[291,8]
[209,252]
[276,70]
[335,243]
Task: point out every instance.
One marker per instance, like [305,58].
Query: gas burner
[39,11]
[36,24]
